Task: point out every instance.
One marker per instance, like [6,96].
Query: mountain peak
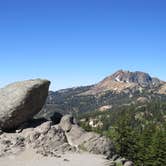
[123,79]
[138,77]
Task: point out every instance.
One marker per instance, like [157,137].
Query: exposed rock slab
[88,141]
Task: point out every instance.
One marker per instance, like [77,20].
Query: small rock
[128,163]
[44,128]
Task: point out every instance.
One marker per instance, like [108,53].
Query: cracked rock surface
[52,140]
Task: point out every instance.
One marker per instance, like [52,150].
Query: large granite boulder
[20,101]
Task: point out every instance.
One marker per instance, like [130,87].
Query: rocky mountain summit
[140,78]
[122,80]
[19,130]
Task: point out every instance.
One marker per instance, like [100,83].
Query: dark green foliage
[139,133]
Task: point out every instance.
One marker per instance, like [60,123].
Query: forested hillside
[139,132]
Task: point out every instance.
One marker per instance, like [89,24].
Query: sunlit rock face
[20,101]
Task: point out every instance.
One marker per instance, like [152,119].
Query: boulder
[66,122]
[20,101]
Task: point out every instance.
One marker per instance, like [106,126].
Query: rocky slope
[51,139]
[56,140]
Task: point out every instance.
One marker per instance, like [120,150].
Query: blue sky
[79,42]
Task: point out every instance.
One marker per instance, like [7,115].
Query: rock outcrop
[88,141]
[46,139]
[49,139]
[20,101]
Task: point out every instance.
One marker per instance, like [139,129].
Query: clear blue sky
[79,42]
